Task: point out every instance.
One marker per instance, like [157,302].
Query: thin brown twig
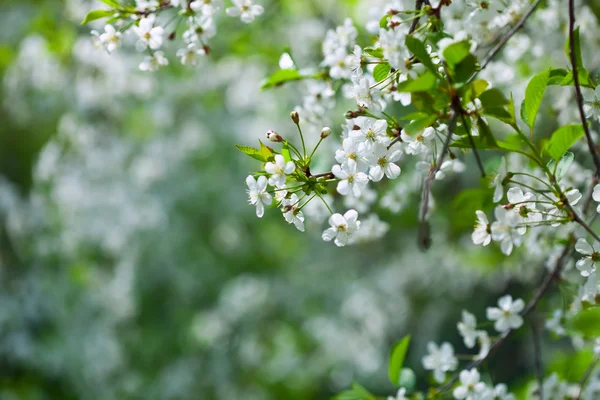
[492,53]
[578,95]
[413,26]
[424,237]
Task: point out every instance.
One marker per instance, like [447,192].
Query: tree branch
[542,289]
[578,95]
[492,53]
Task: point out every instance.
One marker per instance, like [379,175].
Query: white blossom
[483,231]
[351,180]
[470,387]
[257,193]
[507,314]
[440,360]
[587,264]
[245,9]
[343,227]
[278,170]
[150,35]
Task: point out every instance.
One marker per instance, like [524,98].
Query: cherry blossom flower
[245,9]
[506,315]
[342,228]
[587,264]
[278,170]
[150,35]
[382,162]
[352,181]
[440,360]
[470,387]
[483,232]
[257,193]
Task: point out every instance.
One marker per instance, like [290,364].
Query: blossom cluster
[151,27]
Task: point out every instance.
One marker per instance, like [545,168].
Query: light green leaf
[421,84]
[456,52]
[282,76]
[397,359]
[473,90]
[418,125]
[373,52]
[111,3]
[417,47]
[587,322]
[285,151]
[266,152]
[97,14]
[381,71]
[534,93]
[564,164]
[562,140]
[356,393]
[251,151]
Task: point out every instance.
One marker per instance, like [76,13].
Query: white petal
[583,247]
[329,234]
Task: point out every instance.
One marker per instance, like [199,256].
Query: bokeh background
[131,266]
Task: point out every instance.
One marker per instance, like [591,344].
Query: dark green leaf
[417,47]
[397,359]
[421,84]
[557,75]
[492,98]
[456,52]
[96,14]
[381,71]
[251,151]
[562,140]
[534,93]
[464,69]
[578,59]
[487,138]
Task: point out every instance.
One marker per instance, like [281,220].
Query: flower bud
[325,132]
[295,117]
[274,136]
[350,115]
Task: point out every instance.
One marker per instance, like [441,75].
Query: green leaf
[564,164]
[456,52]
[421,84]
[356,393]
[473,90]
[465,69]
[417,47]
[111,3]
[282,76]
[492,98]
[534,93]
[266,152]
[587,322]
[381,71]
[577,42]
[557,75]
[251,151]
[418,125]
[373,52]
[285,151]
[397,359]
[97,14]
[562,140]
[584,79]
[487,138]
